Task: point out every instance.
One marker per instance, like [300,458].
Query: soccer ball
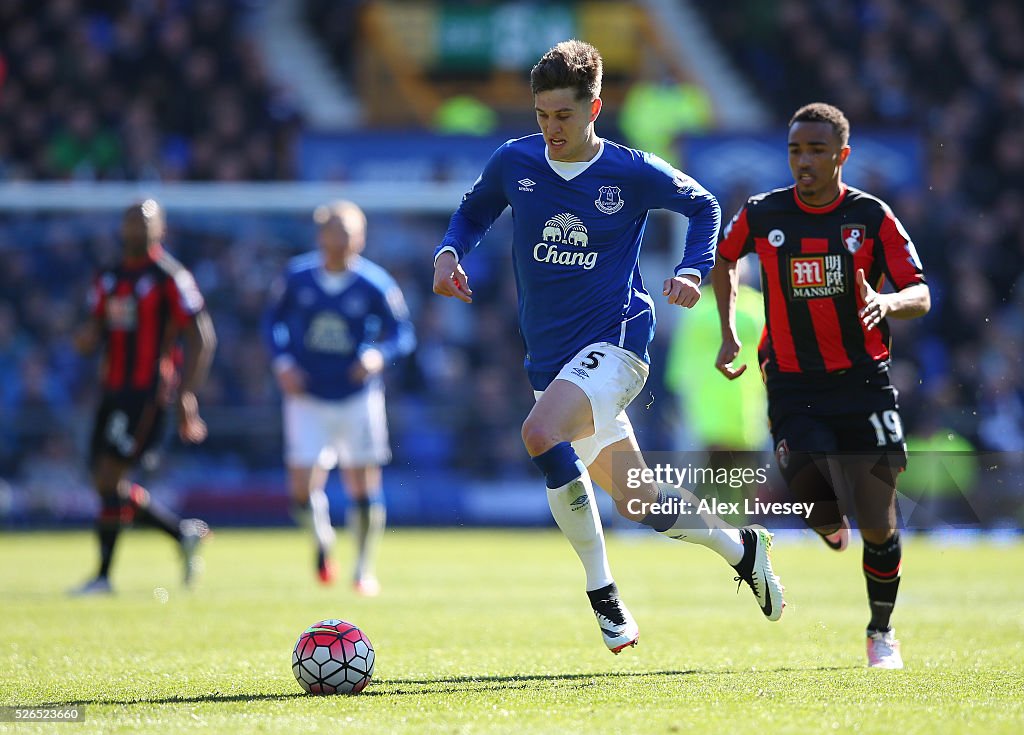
[333,657]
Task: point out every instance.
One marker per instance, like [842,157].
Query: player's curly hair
[572,63]
[822,112]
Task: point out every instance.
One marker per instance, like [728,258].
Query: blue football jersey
[324,321]
[576,243]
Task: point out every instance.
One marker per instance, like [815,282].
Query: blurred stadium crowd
[175,91]
[115,90]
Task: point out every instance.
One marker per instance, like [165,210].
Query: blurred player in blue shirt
[336,320]
[579,207]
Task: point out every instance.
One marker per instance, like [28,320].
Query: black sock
[604,594]
[108,526]
[665,512]
[882,572]
[153,513]
[606,601]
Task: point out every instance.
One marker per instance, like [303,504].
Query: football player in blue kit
[335,322]
[580,205]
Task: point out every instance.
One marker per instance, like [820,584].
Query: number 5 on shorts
[592,361]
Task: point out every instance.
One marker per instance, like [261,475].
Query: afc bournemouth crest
[853,237]
[608,199]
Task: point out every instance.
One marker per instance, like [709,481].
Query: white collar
[569,170]
[333,282]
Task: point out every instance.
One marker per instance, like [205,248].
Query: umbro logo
[526,184]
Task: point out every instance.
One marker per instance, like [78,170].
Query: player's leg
[105,481]
[563,413]
[146,423]
[873,475]
[366,518]
[310,510]
[188,533]
[747,550]
[308,457]
[360,438]
[107,472]
[623,459]
[123,432]
[805,448]
[875,501]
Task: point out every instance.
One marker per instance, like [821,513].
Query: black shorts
[853,414]
[127,427]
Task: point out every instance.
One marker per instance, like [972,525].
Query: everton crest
[853,237]
[608,199]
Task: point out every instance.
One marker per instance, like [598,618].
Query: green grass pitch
[490,632]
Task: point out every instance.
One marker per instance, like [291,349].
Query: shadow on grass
[447,685]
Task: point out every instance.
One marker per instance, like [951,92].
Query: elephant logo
[567,228]
[564,241]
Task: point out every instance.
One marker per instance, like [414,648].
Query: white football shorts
[611,377]
[352,432]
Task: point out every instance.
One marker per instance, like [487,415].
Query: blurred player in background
[141,310]
[335,322]
[722,418]
[580,206]
[825,249]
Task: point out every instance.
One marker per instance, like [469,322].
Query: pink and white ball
[333,657]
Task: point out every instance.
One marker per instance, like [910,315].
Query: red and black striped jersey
[809,259]
[142,306]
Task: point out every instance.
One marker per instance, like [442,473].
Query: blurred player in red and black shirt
[825,250]
[142,309]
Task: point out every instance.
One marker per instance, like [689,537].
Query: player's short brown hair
[822,112]
[569,64]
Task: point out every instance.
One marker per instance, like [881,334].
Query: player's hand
[682,291]
[87,339]
[191,428]
[370,362]
[291,380]
[730,349]
[875,306]
[450,280]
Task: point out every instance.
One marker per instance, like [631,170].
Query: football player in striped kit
[825,250]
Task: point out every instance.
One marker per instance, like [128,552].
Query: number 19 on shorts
[888,428]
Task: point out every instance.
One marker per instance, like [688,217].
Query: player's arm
[481,205]
[449,277]
[725,281]
[291,379]
[909,303]
[89,335]
[188,310]
[395,339]
[200,340]
[902,266]
[671,189]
